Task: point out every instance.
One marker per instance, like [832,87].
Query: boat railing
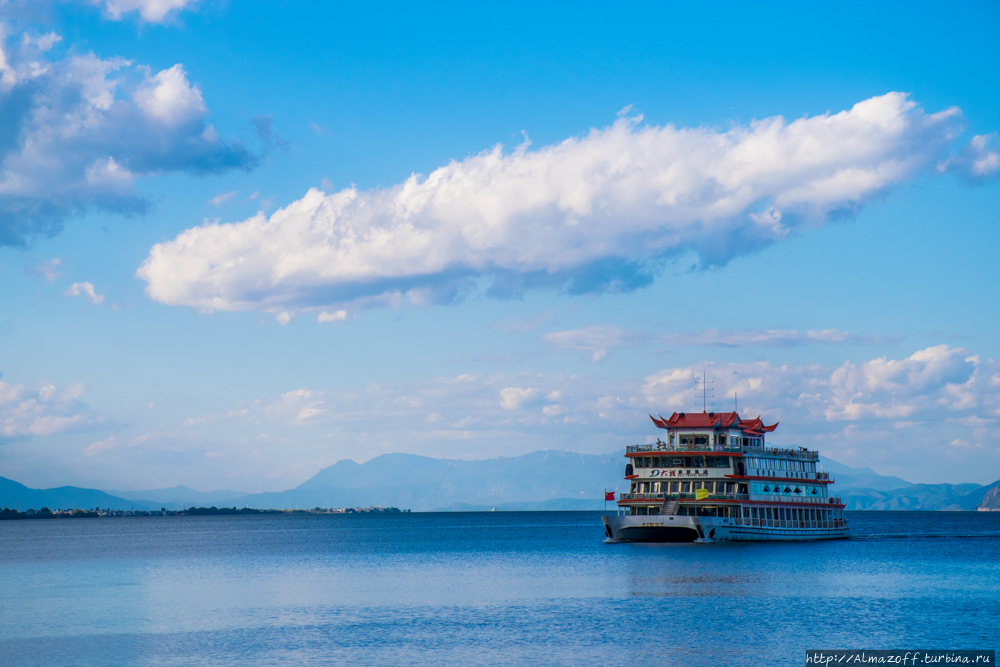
[728,496]
[682,496]
[775,523]
[662,447]
[797,453]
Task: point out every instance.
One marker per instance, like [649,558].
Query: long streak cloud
[593,212]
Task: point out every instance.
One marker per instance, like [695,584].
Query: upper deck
[800,453]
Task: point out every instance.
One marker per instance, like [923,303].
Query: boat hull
[676,528]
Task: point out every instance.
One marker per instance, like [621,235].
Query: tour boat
[714,477]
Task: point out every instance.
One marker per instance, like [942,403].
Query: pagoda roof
[714,420]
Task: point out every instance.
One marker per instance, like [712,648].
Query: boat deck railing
[793,452]
[790,452]
[654,447]
[728,496]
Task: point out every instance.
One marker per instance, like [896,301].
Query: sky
[243,240]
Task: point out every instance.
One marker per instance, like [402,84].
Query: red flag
[609,495]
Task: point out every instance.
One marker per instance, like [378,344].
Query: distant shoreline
[8,514]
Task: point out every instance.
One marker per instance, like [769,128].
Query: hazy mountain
[16,495]
[862,478]
[544,480]
[865,489]
[991,500]
[424,483]
[985,496]
[914,497]
[179,497]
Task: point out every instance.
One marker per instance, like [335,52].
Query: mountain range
[542,480]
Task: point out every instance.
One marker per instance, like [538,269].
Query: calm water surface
[507,588]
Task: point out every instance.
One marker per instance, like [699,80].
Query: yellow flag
[700,494]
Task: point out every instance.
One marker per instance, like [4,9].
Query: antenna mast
[704,391]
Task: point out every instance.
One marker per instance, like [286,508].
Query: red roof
[713,420]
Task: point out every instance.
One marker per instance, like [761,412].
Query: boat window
[767,489]
[673,487]
[685,487]
[656,461]
[797,490]
[677,463]
[695,485]
[649,462]
[699,462]
[722,438]
[787,490]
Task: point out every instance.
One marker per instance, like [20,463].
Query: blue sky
[529,227]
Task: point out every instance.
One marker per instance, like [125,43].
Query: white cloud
[169,98]
[595,340]
[592,212]
[152,11]
[102,446]
[47,271]
[42,42]
[336,316]
[45,410]
[512,398]
[598,339]
[929,385]
[220,199]
[80,130]
[87,290]
[847,411]
[977,162]
[772,338]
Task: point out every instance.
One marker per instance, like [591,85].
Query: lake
[504,588]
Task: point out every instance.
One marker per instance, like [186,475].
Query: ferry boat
[714,477]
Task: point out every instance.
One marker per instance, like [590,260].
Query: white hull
[679,528]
